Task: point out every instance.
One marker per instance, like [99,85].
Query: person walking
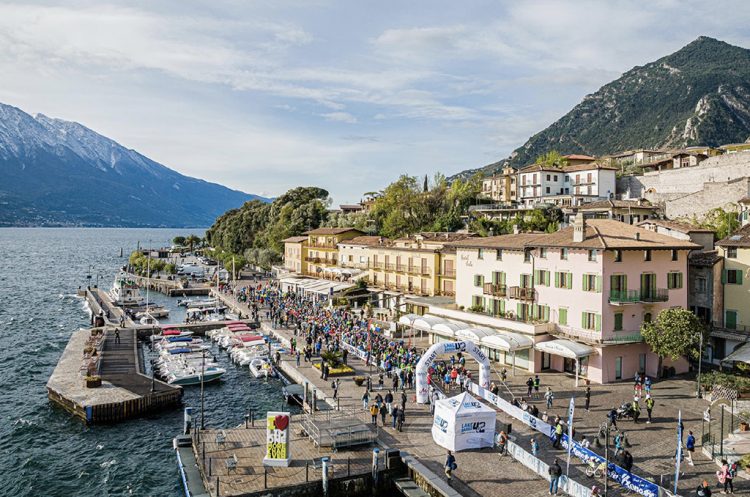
[403,400]
[534,447]
[503,375]
[537,383]
[725,476]
[555,471]
[649,407]
[117,335]
[529,386]
[298,357]
[383,413]
[558,435]
[587,396]
[618,444]
[502,442]
[450,467]
[613,417]
[394,415]
[335,386]
[549,396]
[636,410]
[374,413]
[365,399]
[690,446]
[401,419]
[627,461]
[389,401]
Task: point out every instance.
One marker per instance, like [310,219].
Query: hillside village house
[295,254]
[322,248]
[625,211]
[683,231]
[731,330]
[501,187]
[580,294]
[571,185]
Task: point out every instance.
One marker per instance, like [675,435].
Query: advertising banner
[277,439]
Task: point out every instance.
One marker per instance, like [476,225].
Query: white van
[190,270]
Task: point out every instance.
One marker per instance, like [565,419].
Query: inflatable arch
[441,348]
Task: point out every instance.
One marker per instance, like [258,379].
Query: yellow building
[501,187]
[295,253]
[736,280]
[322,248]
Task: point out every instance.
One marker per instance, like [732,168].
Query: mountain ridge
[62,173]
[698,95]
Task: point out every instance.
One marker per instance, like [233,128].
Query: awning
[475,334]
[565,348]
[448,329]
[507,342]
[742,354]
[407,319]
[425,323]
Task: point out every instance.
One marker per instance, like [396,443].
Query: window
[548,189]
[592,283]
[588,178]
[701,284]
[548,177]
[733,276]
[618,321]
[674,280]
[592,255]
[562,316]
[618,284]
[647,317]
[542,253]
[588,190]
[525,281]
[731,252]
[499,254]
[477,301]
[478,280]
[555,177]
[563,280]
[527,255]
[591,321]
[567,178]
[674,255]
[542,277]
[730,320]
[646,255]
[618,255]
[480,254]
[564,254]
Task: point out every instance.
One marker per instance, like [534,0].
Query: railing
[624,297]
[729,327]
[425,271]
[495,289]
[401,268]
[654,295]
[376,265]
[312,259]
[522,293]
[390,266]
[448,273]
[323,245]
[447,293]
[413,270]
[598,337]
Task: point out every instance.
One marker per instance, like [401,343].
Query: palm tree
[192,241]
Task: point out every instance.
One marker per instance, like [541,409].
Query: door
[546,360]
[618,368]
[642,363]
[731,320]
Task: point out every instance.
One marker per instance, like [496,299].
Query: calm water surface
[44,451]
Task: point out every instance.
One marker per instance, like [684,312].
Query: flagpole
[571,412]
[678,454]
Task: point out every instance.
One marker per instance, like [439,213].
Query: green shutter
[644,290]
[502,306]
[598,322]
[583,320]
[503,277]
[739,276]
[625,282]
[679,280]
[618,321]
[557,279]
[723,275]
[584,285]
[569,280]
[562,316]
[519,309]
[599,284]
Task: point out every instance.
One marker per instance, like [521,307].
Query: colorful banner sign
[277,439]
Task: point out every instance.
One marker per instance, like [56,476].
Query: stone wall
[721,168]
[724,194]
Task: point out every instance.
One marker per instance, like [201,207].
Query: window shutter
[625,282]
[679,280]
[569,280]
[599,284]
[739,276]
[502,279]
[598,322]
[583,286]
[723,275]
[502,306]
[557,279]
[519,309]
[583,320]
[643,283]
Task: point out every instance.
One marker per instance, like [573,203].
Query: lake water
[46,452]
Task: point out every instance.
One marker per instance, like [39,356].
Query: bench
[231,463]
[221,437]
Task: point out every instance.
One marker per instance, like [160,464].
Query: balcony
[315,260]
[425,271]
[448,273]
[447,293]
[401,268]
[495,290]
[323,245]
[522,293]
[390,267]
[650,295]
[376,265]
[624,297]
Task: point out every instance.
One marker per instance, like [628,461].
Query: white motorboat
[147,318]
[157,311]
[125,292]
[191,376]
[261,367]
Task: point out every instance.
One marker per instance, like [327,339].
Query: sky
[266,95]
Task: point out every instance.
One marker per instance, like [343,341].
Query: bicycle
[595,470]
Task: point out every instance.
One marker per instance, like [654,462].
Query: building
[705,288]
[571,185]
[681,231]
[295,254]
[625,211]
[354,253]
[733,327]
[351,208]
[635,157]
[501,187]
[322,248]
[583,293]
[578,159]
[537,181]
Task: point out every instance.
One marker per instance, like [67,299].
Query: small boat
[148,319]
[193,377]
[124,292]
[261,367]
[293,393]
[157,311]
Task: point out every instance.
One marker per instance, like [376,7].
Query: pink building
[594,283]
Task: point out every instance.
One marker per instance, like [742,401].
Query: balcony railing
[448,273]
[390,267]
[654,295]
[323,245]
[376,265]
[447,293]
[425,271]
[313,259]
[621,297]
[495,290]
[522,293]
[401,268]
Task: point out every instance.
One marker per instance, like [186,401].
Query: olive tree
[675,333]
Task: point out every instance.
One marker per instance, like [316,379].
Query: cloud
[342,117]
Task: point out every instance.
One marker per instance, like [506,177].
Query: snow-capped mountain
[58,172]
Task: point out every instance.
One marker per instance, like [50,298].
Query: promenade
[485,472]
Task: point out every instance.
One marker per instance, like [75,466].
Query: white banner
[512,410]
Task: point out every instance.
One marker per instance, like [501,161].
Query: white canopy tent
[463,423]
[508,342]
[475,334]
[425,323]
[566,348]
[448,329]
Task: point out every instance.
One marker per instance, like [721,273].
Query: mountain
[699,95]
[60,173]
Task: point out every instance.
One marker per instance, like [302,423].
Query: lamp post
[606,461]
[700,361]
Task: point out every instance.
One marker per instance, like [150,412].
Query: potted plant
[93,381]
[359,380]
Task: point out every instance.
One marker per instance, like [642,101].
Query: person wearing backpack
[724,475]
[450,466]
[549,396]
[690,446]
[555,471]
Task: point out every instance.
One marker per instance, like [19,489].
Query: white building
[566,186]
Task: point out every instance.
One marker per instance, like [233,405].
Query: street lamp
[700,361]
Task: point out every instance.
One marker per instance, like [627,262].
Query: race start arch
[441,348]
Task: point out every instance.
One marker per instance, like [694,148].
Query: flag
[571,412]
[678,454]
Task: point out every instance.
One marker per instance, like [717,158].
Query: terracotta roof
[330,231]
[705,259]
[618,204]
[295,239]
[587,167]
[676,226]
[366,241]
[448,236]
[510,242]
[744,200]
[579,157]
[741,238]
[539,167]
[609,234]
[352,206]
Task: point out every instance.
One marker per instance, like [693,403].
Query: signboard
[277,439]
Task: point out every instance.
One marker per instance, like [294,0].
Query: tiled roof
[366,241]
[295,239]
[330,231]
[579,157]
[618,204]
[705,259]
[588,167]
[518,242]
[741,238]
[675,226]
[539,167]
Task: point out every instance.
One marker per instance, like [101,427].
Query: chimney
[579,228]
[637,236]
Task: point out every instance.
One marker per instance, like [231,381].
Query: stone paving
[485,472]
